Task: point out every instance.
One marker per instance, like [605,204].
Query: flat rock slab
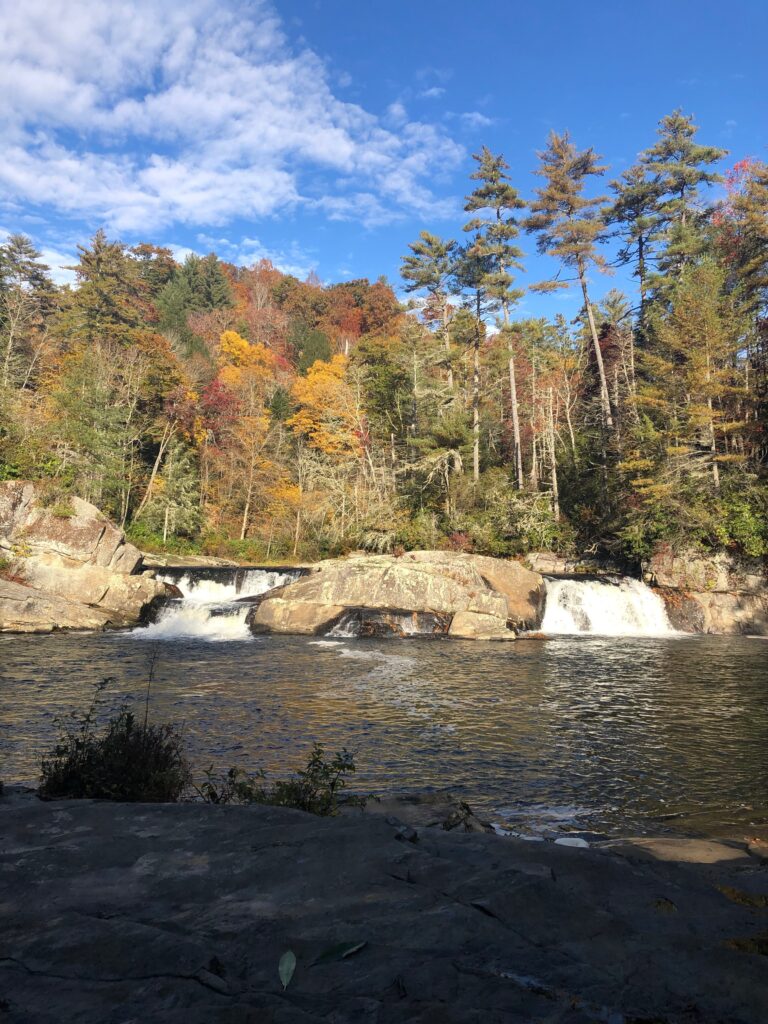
[115,913]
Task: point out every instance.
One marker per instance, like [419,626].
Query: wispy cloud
[434,93]
[142,116]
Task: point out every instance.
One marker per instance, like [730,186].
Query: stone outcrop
[67,566]
[180,914]
[466,596]
[710,593]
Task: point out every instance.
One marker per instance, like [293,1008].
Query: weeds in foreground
[130,760]
[315,788]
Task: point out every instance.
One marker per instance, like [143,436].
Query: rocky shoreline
[63,565]
[181,912]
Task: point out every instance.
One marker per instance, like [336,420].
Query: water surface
[616,735]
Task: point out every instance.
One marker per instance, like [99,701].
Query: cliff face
[65,566]
[717,593]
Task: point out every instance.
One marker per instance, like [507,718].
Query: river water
[615,735]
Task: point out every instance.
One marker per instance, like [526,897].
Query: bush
[128,761]
[315,788]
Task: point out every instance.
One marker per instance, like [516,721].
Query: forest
[213,408]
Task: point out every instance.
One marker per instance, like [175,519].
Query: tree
[637,211]
[569,226]
[110,300]
[429,268]
[26,297]
[678,163]
[493,241]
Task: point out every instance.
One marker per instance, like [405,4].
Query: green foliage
[129,760]
[314,788]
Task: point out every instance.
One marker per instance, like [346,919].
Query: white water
[626,608]
[212,609]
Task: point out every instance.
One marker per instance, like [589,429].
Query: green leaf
[339,952]
[286,967]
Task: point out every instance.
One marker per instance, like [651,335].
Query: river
[609,735]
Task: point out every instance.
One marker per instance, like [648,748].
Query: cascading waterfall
[621,607]
[214,602]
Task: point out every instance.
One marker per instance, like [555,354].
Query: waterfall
[621,607]
[215,602]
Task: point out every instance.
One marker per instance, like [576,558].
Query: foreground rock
[465,596]
[181,913]
[67,566]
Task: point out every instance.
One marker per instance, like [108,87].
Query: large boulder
[716,612]
[24,610]
[66,566]
[433,587]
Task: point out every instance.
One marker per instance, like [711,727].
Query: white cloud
[292,259]
[434,93]
[142,115]
[474,119]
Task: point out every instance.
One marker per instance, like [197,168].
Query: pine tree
[679,162]
[494,241]
[26,298]
[429,268]
[110,298]
[569,227]
[637,211]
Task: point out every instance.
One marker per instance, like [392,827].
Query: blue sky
[325,134]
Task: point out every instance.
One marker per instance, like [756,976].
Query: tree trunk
[553,459]
[605,401]
[476,401]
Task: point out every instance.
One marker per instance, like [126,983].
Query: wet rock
[476,626]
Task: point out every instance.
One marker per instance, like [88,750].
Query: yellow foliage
[327,415]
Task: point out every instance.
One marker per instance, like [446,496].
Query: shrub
[130,760]
[315,788]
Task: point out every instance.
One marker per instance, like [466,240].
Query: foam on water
[214,605]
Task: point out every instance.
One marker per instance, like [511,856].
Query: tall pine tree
[496,226]
[569,226]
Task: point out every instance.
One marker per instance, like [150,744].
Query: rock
[716,612]
[85,536]
[72,568]
[181,913]
[24,610]
[476,626]
[523,589]
[717,572]
[434,585]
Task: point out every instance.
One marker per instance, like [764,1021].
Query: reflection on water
[612,734]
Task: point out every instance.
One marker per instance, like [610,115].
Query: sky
[326,134]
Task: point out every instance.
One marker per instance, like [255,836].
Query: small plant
[130,760]
[315,788]
[62,509]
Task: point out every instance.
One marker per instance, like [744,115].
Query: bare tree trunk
[605,401]
[476,404]
[447,344]
[553,459]
[168,432]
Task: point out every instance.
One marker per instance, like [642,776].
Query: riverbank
[181,912]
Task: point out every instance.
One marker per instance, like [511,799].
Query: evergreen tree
[494,241]
[429,268]
[679,164]
[110,296]
[637,211]
[26,297]
[569,226]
